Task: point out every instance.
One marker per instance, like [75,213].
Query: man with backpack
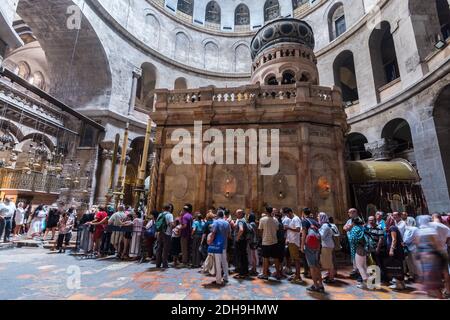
[241,231]
[164,224]
[310,246]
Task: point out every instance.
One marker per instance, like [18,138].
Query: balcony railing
[39,182]
[300,92]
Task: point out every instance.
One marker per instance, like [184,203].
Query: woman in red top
[100,222]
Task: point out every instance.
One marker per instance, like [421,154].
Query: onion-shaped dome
[288,30]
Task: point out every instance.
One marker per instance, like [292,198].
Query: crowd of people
[275,245]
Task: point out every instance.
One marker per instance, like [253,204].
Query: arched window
[242,15]
[242,58]
[186,6]
[298,3]
[23,70]
[38,80]
[443,10]
[211,56]
[152,30]
[345,77]
[288,77]
[382,52]
[146,85]
[336,21]
[271,81]
[182,47]
[213,14]
[180,83]
[271,10]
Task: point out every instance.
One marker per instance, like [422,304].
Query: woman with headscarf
[358,249]
[409,240]
[429,257]
[327,242]
[396,255]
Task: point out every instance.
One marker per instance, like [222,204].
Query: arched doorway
[345,76]
[355,147]
[397,134]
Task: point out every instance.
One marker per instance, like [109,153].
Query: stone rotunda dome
[287,30]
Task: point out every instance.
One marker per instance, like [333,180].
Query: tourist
[208,264]
[116,221]
[138,225]
[150,235]
[241,232]
[197,234]
[65,225]
[253,245]
[358,249]
[217,241]
[352,214]
[376,244]
[306,212]
[268,227]
[400,224]
[443,238]
[164,225]
[326,255]
[52,221]
[293,231]
[337,242]
[281,245]
[100,222]
[186,230]
[285,220]
[379,220]
[310,245]
[37,219]
[430,257]
[19,219]
[409,240]
[175,245]
[7,210]
[396,255]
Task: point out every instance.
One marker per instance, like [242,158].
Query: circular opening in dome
[286,28]
[303,30]
[268,34]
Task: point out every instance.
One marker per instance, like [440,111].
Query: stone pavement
[35,274]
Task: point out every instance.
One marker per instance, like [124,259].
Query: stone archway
[77,60]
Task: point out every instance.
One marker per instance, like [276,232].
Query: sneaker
[398,287]
[312,289]
[361,285]
[263,277]
[328,281]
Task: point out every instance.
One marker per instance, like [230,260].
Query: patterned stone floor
[36,274]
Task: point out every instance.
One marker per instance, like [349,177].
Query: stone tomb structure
[285,95]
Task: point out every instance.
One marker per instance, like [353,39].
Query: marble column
[105,177]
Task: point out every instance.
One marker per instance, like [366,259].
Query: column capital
[137,72]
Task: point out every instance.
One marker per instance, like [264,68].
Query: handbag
[218,245]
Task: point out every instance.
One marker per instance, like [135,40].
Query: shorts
[271,251]
[326,258]
[294,251]
[312,257]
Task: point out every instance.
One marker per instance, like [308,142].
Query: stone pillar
[105,176]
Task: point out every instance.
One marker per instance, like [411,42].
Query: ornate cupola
[283,53]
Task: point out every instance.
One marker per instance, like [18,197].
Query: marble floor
[37,274]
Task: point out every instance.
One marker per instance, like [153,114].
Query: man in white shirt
[294,229]
[285,220]
[400,224]
[7,210]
